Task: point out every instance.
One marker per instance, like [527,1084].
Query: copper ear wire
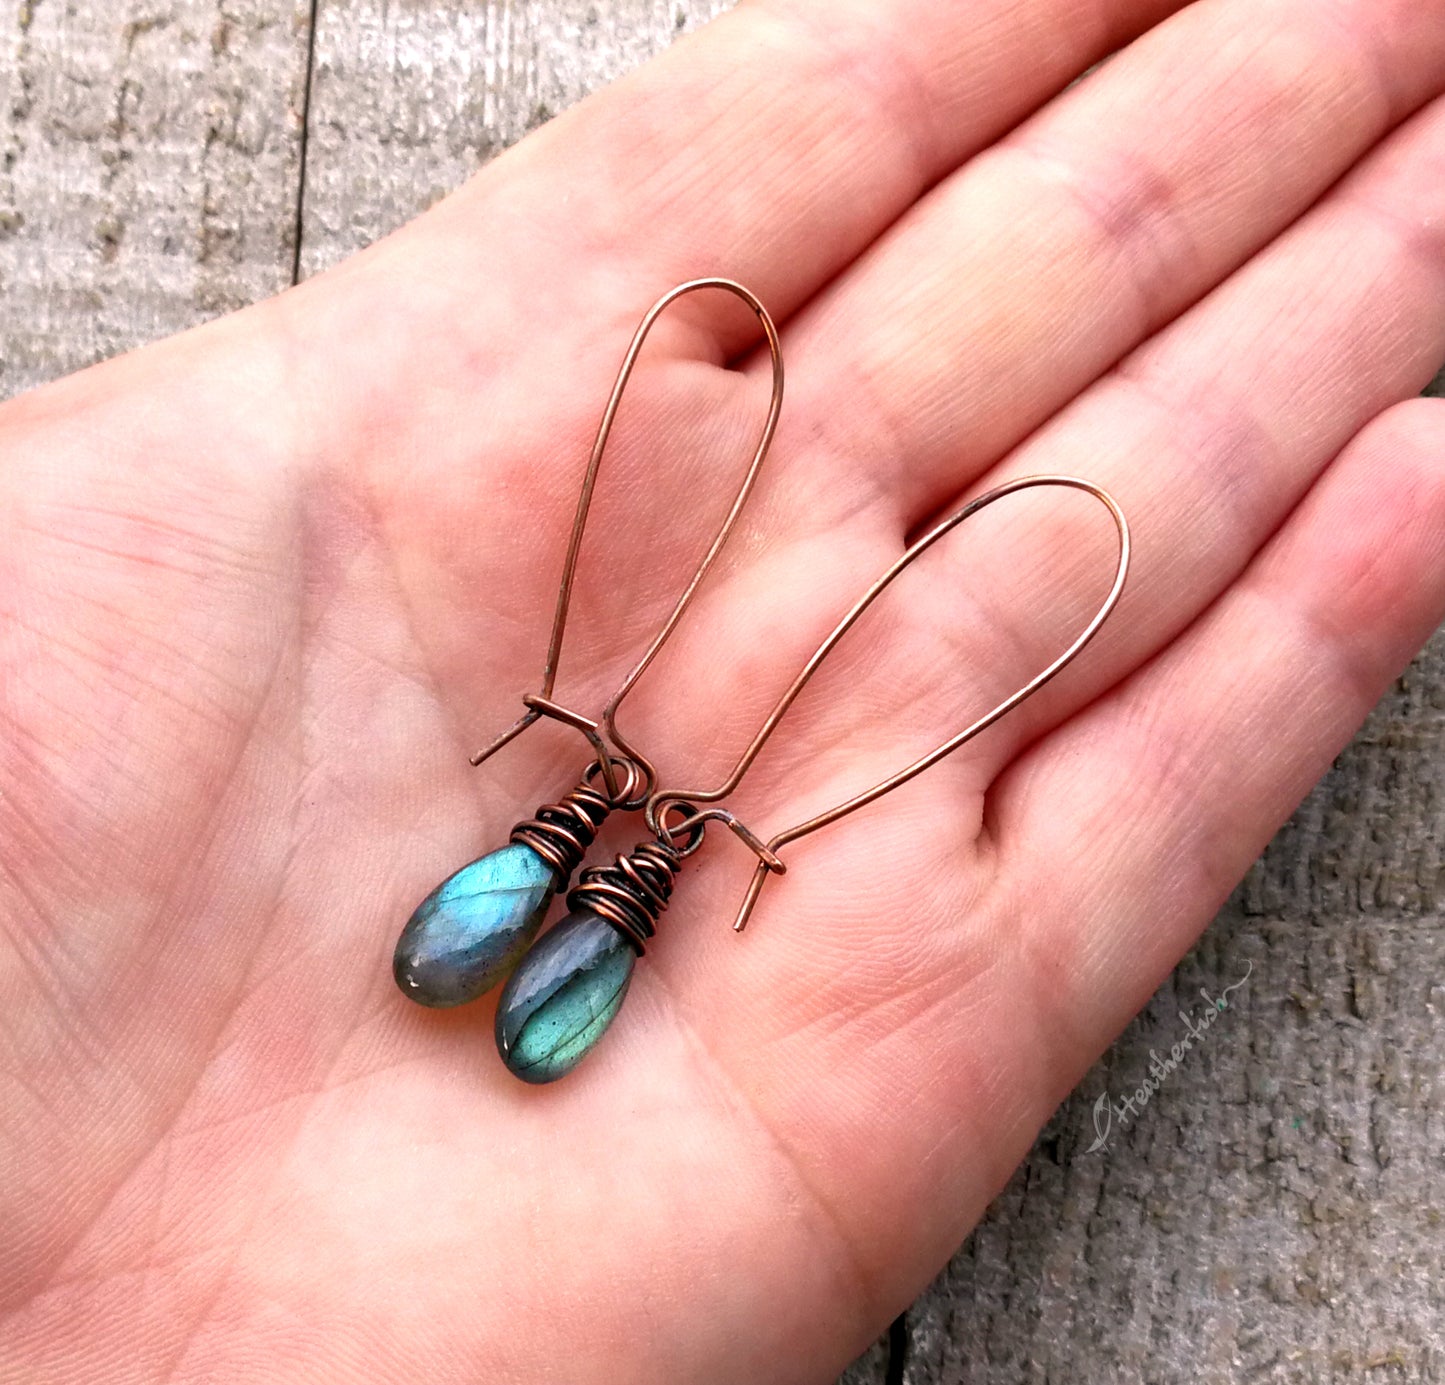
[663,802]
[542,704]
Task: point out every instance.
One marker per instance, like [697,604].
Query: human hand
[268,584]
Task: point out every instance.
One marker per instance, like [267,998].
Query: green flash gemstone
[468,933]
[562,997]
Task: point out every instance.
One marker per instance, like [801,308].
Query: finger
[1208,436]
[1214,431]
[1139,816]
[1043,261]
[771,147]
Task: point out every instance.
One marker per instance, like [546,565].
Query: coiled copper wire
[562,832]
[632,892]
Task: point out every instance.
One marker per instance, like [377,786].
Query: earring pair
[563,990]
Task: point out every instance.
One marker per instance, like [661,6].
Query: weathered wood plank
[410,99]
[149,158]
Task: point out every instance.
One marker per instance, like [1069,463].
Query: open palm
[266,586]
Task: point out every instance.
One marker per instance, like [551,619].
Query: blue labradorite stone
[562,997]
[468,933]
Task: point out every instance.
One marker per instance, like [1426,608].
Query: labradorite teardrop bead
[468,933]
[562,997]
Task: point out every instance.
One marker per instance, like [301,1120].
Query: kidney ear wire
[541,703]
[569,987]
[472,929]
[664,803]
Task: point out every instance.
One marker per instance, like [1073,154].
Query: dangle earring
[568,988]
[468,933]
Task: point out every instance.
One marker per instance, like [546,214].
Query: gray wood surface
[149,161]
[1277,1212]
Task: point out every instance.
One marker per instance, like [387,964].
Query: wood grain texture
[410,99]
[149,161]
[1277,1211]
